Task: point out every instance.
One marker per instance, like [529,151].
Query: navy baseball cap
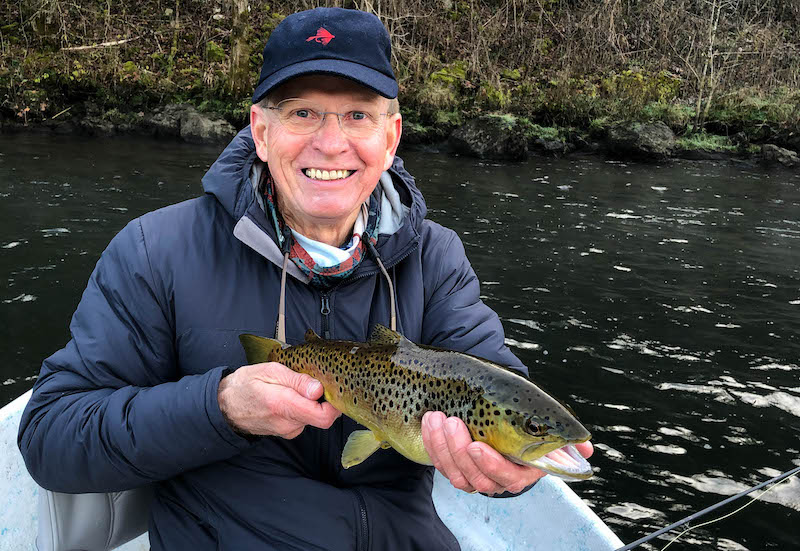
[348,43]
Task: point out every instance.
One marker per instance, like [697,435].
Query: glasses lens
[361,122]
[299,117]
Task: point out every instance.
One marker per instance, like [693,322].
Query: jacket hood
[228,180]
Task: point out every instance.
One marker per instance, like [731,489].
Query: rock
[166,122]
[184,121]
[646,141]
[92,125]
[491,137]
[772,154]
[553,147]
[580,143]
[198,128]
[793,141]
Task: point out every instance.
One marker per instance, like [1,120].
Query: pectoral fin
[360,445]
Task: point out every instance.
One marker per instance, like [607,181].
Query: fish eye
[535,429]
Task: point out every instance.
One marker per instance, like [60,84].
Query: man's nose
[330,138]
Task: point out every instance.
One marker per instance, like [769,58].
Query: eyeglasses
[303,117]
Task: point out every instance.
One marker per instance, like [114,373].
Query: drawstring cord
[393,320]
[280,329]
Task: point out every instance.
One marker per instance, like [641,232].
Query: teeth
[327,174]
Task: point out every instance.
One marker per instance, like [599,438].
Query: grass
[707,142]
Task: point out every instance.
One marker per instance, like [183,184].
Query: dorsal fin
[311,336]
[384,335]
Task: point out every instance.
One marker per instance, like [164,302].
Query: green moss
[507,120]
[706,142]
[511,74]
[453,73]
[495,97]
[449,118]
[532,131]
[214,52]
[673,114]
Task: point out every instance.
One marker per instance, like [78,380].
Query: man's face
[308,203]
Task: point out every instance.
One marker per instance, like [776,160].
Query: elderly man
[308,221]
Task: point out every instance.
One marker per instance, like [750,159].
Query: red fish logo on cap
[322,36]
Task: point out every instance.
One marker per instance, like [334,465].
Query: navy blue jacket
[132,398]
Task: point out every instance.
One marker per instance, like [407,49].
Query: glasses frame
[277,107]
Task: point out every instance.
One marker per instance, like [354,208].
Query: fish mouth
[565,462]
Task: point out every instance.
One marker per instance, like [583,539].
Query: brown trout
[388,383]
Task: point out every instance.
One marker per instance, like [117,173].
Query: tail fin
[259,349]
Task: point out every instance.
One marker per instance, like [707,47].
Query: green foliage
[449,118]
[511,74]
[532,130]
[452,74]
[675,115]
[750,108]
[495,97]
[706,142]
[441,90]
[637,89]
[214,52]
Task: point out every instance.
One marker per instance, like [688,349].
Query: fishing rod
[690,518]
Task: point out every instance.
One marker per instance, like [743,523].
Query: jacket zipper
[325,309]
[374,272]
[363,536]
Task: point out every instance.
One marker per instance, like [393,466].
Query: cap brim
[384,85]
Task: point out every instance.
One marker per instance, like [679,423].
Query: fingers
[294,407]
[435,442]
[507,475]
[471,466]
[279,374]
[458,440]
[446,441]
[586,449]
[271,399]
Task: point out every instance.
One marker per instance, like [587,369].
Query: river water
[661,301]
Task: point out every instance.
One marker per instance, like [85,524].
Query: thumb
[303,384]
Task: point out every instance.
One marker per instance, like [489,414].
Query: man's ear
[258,128]
[394,129]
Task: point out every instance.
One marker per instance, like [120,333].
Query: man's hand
[269,399]
[475,466]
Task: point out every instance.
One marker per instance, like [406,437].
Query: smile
[318,174]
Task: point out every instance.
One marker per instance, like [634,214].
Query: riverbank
[488,136]
[723,78]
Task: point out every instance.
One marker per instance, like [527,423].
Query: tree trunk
[239,78]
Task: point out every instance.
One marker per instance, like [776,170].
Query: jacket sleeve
[109,411]
[455,316]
